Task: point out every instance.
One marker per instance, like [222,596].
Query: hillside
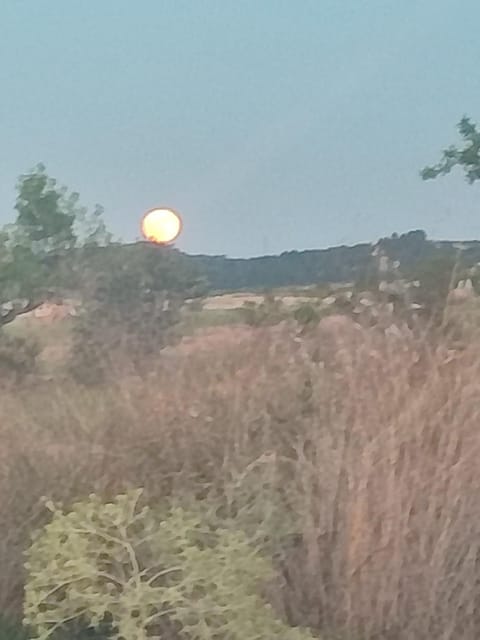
[413,250]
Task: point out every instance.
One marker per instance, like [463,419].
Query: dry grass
[369,444]
[231,301]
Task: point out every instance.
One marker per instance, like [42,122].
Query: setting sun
[161,226]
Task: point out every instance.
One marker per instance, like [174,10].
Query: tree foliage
[45,215]
[146,573]
[39,252]
[49,218]
[135,298]
[467,157]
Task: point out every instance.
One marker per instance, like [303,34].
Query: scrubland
[348,455]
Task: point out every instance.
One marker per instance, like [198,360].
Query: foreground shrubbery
[347,456]
[143,572]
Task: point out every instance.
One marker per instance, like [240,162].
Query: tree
[45,215]
[468,157]
[134,301]
[39,251]
[40,256]
[49,218]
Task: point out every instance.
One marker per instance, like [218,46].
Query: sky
[270,125]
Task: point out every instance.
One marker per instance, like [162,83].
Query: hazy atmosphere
[269,125]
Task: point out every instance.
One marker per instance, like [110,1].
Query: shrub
[135,302]
[306,314]
[17,356]
[269,312]
[146,573]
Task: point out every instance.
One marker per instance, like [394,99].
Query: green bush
[147,573]
[269,312]
[307,314]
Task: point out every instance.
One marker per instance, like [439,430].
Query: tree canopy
[39,250]
[467,157]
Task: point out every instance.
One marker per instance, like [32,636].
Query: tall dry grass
[356,452]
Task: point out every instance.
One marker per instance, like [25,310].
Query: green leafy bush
[147,574]
[307,314]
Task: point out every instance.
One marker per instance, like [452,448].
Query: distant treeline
[358,263]
[415,258]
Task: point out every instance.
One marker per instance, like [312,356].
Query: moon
[161,226]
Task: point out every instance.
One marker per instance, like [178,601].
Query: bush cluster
[146,573]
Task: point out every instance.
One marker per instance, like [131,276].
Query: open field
[51,325]
[228,301]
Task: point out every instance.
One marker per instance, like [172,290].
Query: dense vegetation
[295,476]
[338,264]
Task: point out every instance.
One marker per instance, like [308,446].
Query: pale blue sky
[269,124]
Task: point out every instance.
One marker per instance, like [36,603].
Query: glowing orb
[161,226]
